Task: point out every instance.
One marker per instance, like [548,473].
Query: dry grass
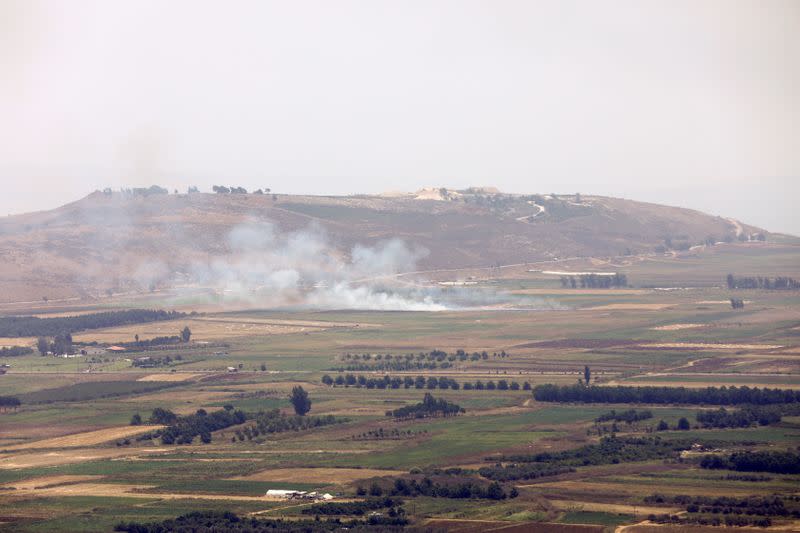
[202,330]
[713,346]
[175,376]
[31,460]
[87,438]
[611,507]
[319,475]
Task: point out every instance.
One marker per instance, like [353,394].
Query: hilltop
[140,241]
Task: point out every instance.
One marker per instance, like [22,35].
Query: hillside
[123,242]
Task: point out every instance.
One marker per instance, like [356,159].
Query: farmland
[70,458]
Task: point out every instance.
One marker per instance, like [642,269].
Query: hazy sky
[693,103]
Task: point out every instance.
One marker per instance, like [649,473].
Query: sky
[693,103]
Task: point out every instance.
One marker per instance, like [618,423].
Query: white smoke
[303,269]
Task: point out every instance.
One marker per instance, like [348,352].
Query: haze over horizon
[691,104]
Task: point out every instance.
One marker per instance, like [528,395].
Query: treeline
[751,505]
[779,283]
[763,415]
[726,520]
[201,423]
[32,326]
[418,382]
[155,362]
[15,351]
[184,429]
[776,462]
[594,281]
[9,402]
[420,361]
[428,407]
[273,421]
[664,395]
[228,522]
[610,450]
[427,487]
[630,416]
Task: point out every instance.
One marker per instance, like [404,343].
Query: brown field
[202,330]
[176,376]
[319,475]
[87,438]
[31,460]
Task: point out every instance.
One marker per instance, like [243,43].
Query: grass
[93,390]
[595,517]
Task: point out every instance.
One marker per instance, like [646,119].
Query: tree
[327,380]
[300,401]
[587,374]
[683,424]
[136,420]
[662,426]
[42,345]
[186,334]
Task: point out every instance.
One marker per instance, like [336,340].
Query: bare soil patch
[175,376]
[677,327]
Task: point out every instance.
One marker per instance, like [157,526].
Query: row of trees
[432,489]
[726,520]
[202,423]
[664,395]
[32,326]
[222,189]
[610,450]
[750,505]
[780,283]
[428,407]
[630,416]
[746,416]
[9,402]
[594,281]
[777,462]
[273,421]
[15,351]
[228,522]
[419,382]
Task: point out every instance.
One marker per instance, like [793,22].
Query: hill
[138,241]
